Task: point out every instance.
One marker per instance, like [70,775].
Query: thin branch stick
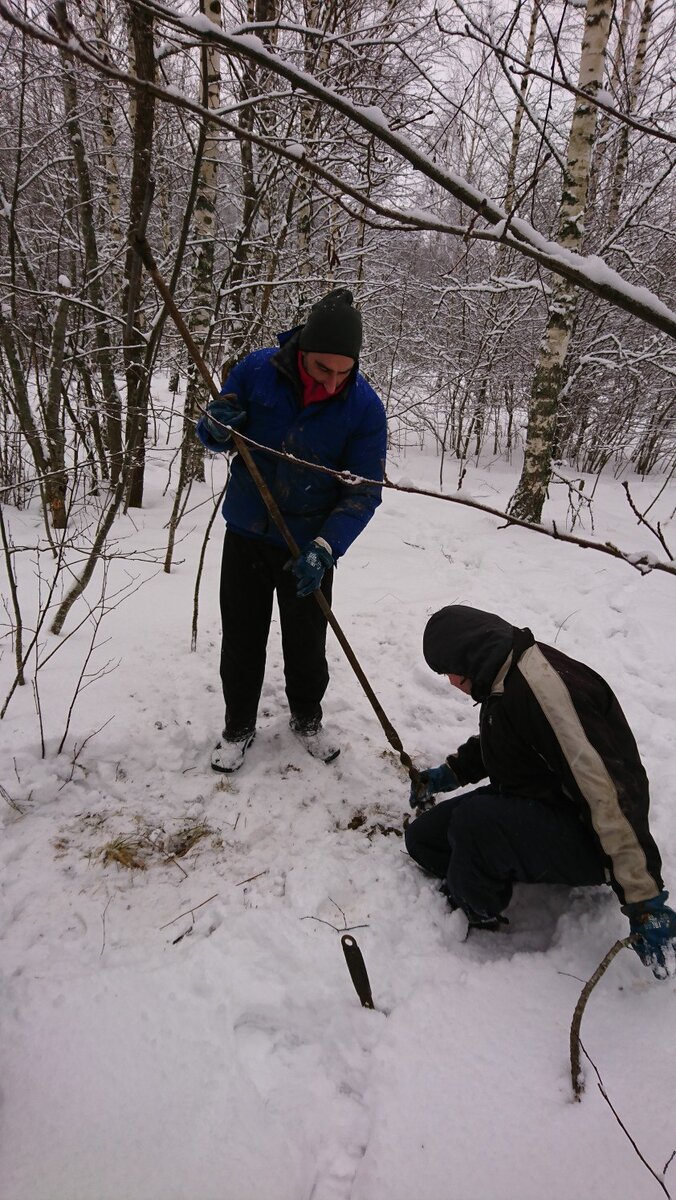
[656,530]
[12,803]
[172,859]
[18,630]
[345,927]
[189,911]
[58,567]
[641,562]
[576,1079]
[79,686]
[103,923]
[252,877]
[336,928]
[200,568]
[623,1127]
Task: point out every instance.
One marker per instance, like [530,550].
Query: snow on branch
[590,273]
[602,100]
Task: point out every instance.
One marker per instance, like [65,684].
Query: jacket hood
[459,640]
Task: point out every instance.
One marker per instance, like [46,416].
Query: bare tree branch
[590,274]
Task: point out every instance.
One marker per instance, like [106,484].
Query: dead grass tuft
[180,843]
[126,852]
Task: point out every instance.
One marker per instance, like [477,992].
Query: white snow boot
[314,738]
[228,756]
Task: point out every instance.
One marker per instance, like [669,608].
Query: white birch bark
[531,493]
[192,454]
[604,137]
[510,189]
[316,62]
[635,79]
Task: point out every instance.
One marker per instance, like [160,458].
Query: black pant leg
[426,837]
[247,588]
[494,841]
[303,627]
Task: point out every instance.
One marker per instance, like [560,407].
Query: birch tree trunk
[510,188]
[635,79]
[258,11]
[315,62]
[604,138]
[192,453]
[550,374]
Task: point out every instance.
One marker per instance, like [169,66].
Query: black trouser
[251,572]
[482,843]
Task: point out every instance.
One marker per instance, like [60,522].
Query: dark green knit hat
[333,326]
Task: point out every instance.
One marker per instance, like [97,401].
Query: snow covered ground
[186,1029]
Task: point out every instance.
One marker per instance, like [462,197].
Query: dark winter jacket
[346,432]
[552,729]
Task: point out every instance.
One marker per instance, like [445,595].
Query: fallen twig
[251,878]
[577,1081]
[345,928]
[189,912]
[103,923]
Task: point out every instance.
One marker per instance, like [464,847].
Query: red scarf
[313,391]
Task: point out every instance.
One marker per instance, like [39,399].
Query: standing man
[307,399]
[567,797]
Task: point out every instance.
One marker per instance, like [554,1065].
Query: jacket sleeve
[467,762]
[365,457]
[575,722]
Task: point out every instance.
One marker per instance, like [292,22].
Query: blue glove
[310,566]
[431,781]
[226,411]
[654,923]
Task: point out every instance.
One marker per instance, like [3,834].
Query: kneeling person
[567,798]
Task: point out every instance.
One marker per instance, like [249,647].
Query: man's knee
[469,819]
[412,838]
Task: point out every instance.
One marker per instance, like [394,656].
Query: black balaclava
[467,641]
[333,326]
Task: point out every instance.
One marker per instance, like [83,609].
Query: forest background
[495,183]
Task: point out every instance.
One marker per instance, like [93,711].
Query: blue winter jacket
[347,432]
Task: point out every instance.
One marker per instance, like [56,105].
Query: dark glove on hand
[654,923]
[310,566]
[431,781]
[226,411]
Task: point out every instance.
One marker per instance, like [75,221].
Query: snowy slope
[223,1054]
